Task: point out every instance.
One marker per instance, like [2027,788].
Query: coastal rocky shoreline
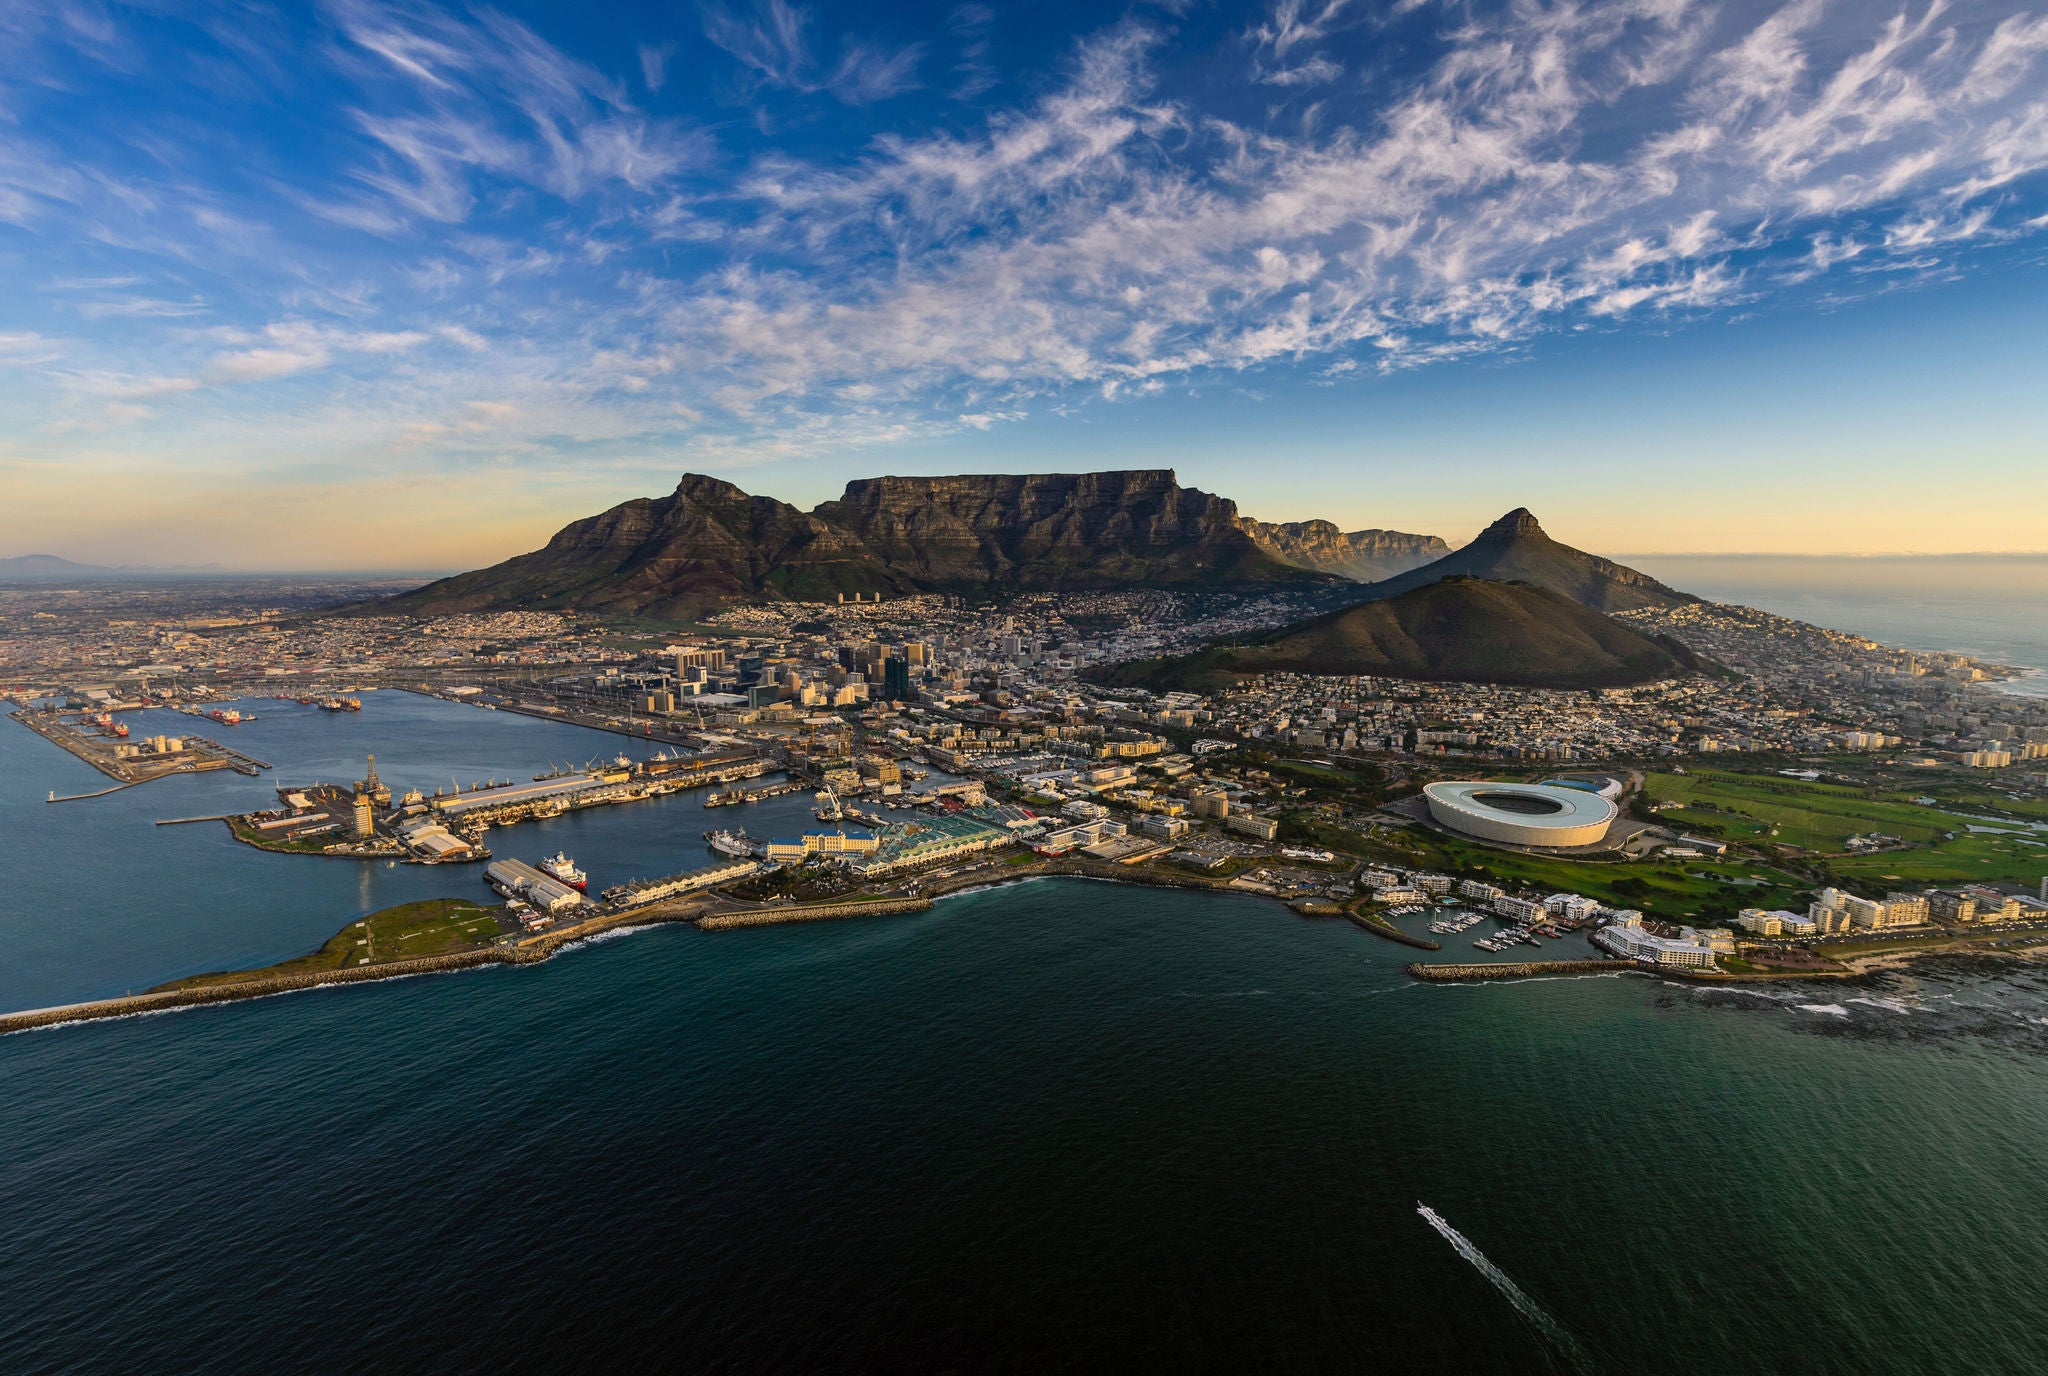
[537,949]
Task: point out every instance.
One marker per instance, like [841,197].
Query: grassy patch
[1706,890]
[1812,816]
[1821,817]
[1970,858]
[309,845]
[431,927]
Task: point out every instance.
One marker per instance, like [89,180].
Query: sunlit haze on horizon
[366,285]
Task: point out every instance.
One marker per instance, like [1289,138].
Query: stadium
[1549,815]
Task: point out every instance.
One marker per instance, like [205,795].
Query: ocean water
[1994,607]
[1054,1126]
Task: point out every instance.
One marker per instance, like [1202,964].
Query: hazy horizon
[1753,562]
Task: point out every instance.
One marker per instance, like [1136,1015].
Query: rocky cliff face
[1047,531]
[709,543]
[706,544]
[1363,556]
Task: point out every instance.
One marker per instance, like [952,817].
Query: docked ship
[560,866]
[735,843]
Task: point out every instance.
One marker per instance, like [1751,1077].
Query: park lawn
[1969,798]
[1725,825]
[1821,817]
[1812,816]
[1972,857]
[433,926]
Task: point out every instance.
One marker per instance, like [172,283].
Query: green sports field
[1821,817]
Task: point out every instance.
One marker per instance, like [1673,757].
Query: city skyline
[379,286]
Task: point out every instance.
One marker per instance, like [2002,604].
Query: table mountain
[709,544]
[706,544]
[1515,549]
[1457,629]
[1363,556]
[1044,531]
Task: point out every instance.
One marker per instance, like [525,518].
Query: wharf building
[642,892]
[911,845]
[801,848]
[518,880]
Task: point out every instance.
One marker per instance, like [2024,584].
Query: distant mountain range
[1362,556]
[49,568]
[709,544]
[1459,628]
[1512,607]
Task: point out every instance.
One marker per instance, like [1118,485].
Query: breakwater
[257,985]
[1518,969]
[165,1000]
[1393,933]
[811,912]
[1129,874]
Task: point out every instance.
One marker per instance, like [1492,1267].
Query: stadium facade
[1522,814]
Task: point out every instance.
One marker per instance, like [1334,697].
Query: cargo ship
[561,867]
[227,717]
[342,705]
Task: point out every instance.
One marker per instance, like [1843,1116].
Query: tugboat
[561,867]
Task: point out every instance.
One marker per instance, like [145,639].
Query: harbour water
[1052,1126]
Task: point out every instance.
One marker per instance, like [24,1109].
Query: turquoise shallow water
[1055,1126]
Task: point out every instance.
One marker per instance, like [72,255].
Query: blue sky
[362,284]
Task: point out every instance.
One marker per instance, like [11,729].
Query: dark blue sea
[1059,1126]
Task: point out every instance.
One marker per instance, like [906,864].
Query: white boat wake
[1538,1317]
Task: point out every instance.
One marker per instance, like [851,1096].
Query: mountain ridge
[1455,629]
[1363,556]
[709,544]
[1516,549]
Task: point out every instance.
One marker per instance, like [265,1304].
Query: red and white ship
[561,867]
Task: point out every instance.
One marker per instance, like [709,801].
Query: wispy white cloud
[613,276]
[772,40]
